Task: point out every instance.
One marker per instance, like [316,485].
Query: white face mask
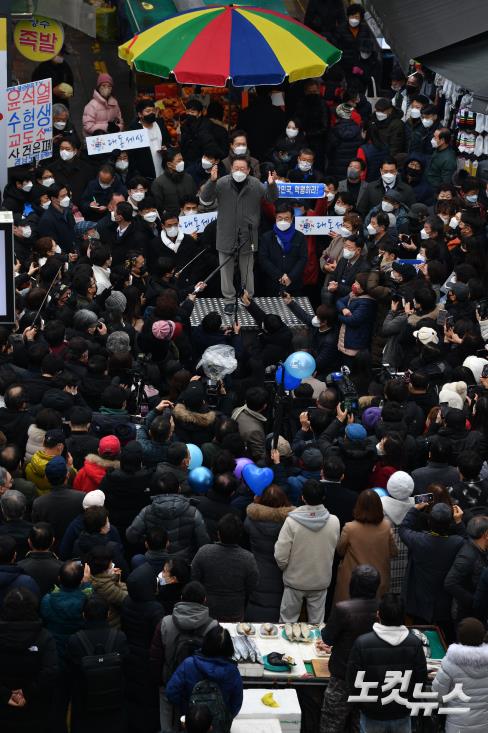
[239,176]
[66,154]
[104,185]
[171,232]
[472,199]
[240,149]
[206,164]
[47,182]
[426,122]
[414,113]
[364,55]
[291,132]
[434,142]
[340,210]
[316,322]
[380,116]
[26,232]
[354,22]
[423,234]
[304,165]
[59,125]
[46,205]
[348,254]
[454,223]
[371,229]
[330,196]
[137,195]
[344,231]
[386,207]
[388,178]
[65,202]
[57,249]
[180,167]
[122,165]
[27,186]
[150,216]
[112,215]
[283,225]
[379,449]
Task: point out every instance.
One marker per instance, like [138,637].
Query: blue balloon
[196,456]
[381,492]
[290,382]
[200,479]
[258,479]
[300,365]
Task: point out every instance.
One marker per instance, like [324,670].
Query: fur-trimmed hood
[105,463]
[199,419]
[472,659]
[261,513]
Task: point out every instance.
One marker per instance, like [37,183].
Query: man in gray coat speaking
[238,197]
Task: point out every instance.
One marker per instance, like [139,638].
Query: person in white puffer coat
[466,663]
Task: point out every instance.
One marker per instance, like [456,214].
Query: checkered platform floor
[268,305]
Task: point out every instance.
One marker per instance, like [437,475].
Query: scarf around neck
[284,238]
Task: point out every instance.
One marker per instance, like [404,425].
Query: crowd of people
[116,564]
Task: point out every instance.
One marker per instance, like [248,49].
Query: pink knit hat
[104,79]
[163,330]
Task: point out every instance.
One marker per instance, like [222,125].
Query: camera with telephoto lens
[346,388]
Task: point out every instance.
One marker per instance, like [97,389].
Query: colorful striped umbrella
[242,45]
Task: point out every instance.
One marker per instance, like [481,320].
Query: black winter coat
[125,495]
[348,620]
[194,427]
[275,262]
[463,577]
[140,159]
[263,525]
[43,567]
[375,657]
[213,507]
[79,444]
[34,672]
[343,142]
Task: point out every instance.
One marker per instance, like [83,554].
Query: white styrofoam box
[288,713]
[255,725]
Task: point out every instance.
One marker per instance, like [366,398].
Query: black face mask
[149,118]
[412,173]
[412,90]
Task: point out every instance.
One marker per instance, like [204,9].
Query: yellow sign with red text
[38,38]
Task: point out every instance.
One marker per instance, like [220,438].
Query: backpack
[101,670]
[186,644]
[208,693]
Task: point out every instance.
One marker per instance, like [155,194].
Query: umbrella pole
[229,107]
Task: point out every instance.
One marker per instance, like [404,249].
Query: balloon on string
[258,479]
[300,364]
[289,382]
[240,463]
[381,492]
[200,479]
[196,456]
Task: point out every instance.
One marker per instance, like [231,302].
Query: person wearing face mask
[305,171]
[62,126]
[332,254]
[148,161]
[101,260]
[414,175]
[282,254]
[356,313]
[196,132]
[59,71]
[343,141]
[174,184]
[127,236]
[137,188]
[69,169]
[350,264]
[44,178]
[396,211]
[350,36]
[120,161]
[174,244]
[18,193]
[148,221]
[238,198]
[470,196]
[323,329]
[98,192]
[415,131]
[262,121]
[443,163]
[386,128]
[107,227]
[102,113]
[200,170]
[287,145]
[374,192]
[378,236]
[353,183]
[58,222]
[239,146]
[25,234]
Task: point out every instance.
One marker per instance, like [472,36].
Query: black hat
[54,437]
[407,271]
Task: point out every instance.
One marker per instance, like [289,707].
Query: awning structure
[448,36]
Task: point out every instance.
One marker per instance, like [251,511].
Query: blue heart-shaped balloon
[258,479]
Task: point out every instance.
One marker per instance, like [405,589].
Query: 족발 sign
[128,140]
[29,122]
[38,38]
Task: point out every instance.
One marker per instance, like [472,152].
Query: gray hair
[477,526]
[59,109]
[3,476]
[13,504]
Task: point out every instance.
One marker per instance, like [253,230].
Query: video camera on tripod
[346,388]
